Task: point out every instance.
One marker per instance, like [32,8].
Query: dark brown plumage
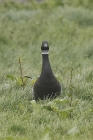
[46,86]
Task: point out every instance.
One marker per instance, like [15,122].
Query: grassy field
[68,27]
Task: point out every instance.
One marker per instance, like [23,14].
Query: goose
[46,86]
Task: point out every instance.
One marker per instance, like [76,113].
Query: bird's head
[44,47]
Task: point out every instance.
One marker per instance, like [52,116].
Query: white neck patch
[45,52]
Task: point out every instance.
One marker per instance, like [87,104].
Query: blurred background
[68,27]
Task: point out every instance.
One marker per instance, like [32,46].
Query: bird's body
[46,86]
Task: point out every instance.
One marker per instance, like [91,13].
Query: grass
[68,27]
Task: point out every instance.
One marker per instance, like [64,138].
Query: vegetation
[68,27]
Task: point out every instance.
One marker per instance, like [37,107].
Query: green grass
[68,27]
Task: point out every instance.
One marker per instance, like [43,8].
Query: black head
[45,46]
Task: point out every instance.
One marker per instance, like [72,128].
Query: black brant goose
[46,86]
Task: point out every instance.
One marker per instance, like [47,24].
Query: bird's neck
[46,73]
[45,58]
[46,68]
[45,63]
